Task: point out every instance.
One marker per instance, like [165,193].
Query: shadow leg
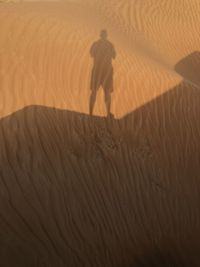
[108,101]
[92,101]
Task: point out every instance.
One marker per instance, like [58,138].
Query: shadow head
[103,34]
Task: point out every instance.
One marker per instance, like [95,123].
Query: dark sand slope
[81,191]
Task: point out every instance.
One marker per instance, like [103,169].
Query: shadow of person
[103,52]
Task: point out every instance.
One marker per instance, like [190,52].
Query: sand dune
[77,190]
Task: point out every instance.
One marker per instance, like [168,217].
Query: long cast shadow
[76,189]
[102,52]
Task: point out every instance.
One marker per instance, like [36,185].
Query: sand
[81,190]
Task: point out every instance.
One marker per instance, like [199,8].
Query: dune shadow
[189,68]
[78,190]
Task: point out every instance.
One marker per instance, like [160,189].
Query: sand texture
[97,191]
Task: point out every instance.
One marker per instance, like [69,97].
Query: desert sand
[81,190]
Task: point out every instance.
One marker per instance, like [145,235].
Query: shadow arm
[92,50]
[113,53]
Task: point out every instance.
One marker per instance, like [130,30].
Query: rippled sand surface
[77,190]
